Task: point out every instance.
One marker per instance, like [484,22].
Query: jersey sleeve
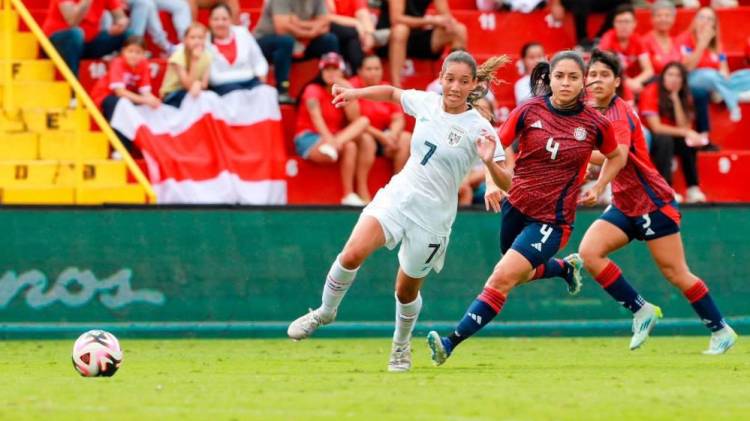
[312,91]
[649,102]
[113,5]
[621,129]
[607,141]
[512,126]
[486,128]
[414,102]
[116,75]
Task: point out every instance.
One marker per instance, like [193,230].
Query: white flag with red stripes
[212,149]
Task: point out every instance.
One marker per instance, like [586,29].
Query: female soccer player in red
[557,134]
[643,208]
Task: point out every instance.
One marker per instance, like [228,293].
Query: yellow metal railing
[81,94]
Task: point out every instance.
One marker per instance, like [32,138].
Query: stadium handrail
[69,77]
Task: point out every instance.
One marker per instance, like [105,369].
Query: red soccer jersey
[380,113]
[91,23]
[709,59]
[135,79]
[334,117]
[628,56]
[660,57]
[649,104]
[638,188]
[554,149]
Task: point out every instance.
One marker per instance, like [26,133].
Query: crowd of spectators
[672,78]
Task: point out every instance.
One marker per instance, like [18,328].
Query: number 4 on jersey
[553,147]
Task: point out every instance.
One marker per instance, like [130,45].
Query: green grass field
[329,379]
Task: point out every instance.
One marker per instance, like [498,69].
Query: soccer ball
[97,353]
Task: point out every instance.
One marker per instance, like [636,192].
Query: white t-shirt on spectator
[522,90]
[443,150]
[249,63]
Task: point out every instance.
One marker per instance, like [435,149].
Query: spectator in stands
[581,9]
[232,5]
[707,63]
[659,43]
[144,14]
[293,27]
[386,130]
[326,134]
[522,6]
[74,28]
[236,59]
[415,34]
[188,68]
[352,25]
[128,79]
[623,41]
[531,54]
[667,109]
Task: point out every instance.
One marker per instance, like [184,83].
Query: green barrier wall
[249,271]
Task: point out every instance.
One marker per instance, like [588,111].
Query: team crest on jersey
[455,136]
[579,134]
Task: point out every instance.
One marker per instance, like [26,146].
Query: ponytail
[485,77]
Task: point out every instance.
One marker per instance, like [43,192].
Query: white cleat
[721,341]
[304,326]
[400,358]
[574,279]
[644,322]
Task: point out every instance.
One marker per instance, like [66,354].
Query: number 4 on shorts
[435,248]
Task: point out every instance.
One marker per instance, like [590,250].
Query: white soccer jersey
[443,150]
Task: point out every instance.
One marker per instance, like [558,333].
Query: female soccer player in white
[418,206]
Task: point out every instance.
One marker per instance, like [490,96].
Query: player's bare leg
[408,306]
[669,255]
[601,239]
[367,236]
[512,269]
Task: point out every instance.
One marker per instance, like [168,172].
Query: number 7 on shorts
[435,248]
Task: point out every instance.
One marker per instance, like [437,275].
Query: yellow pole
[84,97]
[8,102]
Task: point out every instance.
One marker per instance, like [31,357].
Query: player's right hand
[492,198]
[342,95]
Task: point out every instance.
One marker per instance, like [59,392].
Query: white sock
[338,281]
[406,317]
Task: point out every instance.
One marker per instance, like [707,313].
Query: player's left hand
[486,144]
[591,196]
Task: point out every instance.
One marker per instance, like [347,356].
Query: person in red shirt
[352,25]
[709,72]
[387,122]
[556,132]
[661,47]
[74,28]
[643,208]
[128,79]
[623,41]
[326,133]
[667,109]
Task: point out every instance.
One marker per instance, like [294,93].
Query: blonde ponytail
[486,77]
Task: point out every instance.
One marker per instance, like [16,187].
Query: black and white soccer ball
[97,353]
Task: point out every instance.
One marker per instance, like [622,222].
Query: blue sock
[484,308]
[619,288]
[704,305]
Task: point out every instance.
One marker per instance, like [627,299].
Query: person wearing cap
[326,134]
[293,28]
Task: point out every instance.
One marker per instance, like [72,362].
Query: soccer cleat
[400,358]
[574,274]
[304,326]
[644,322]
[439,349]
[721,341]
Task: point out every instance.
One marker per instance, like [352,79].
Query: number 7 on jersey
[429,153]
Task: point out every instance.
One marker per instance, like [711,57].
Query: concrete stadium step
[14,19]
[309,183]
[23,145]
[115,194]
[62,173]
[41,120]
[29,70]
[723,176]
[23,46]
[37,195]
[39,94]
[61,145]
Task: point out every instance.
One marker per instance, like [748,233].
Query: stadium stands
[722,172]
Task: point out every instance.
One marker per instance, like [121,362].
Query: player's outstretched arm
[343,95]
[486,145]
